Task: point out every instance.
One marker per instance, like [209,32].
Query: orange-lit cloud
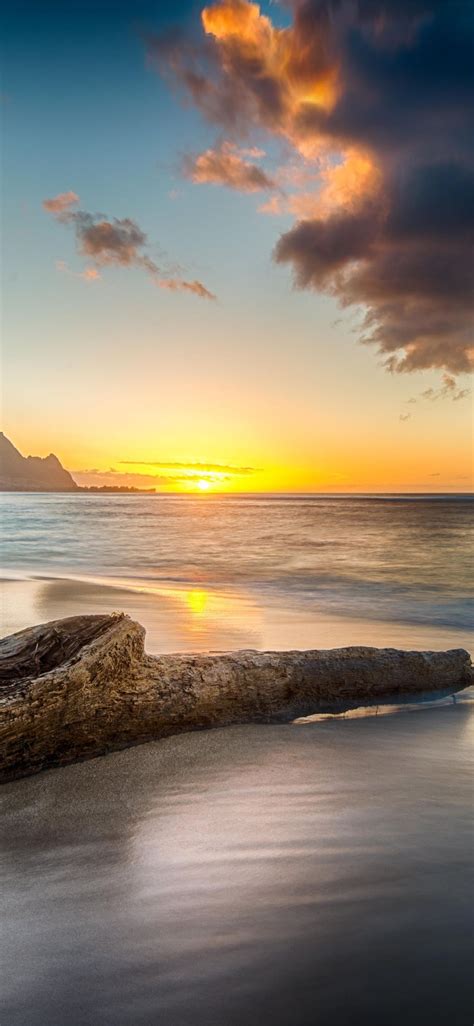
[343,186]
[59,204]
[226,165]
[89,274]
[277,70]
[180,285]
[273,205]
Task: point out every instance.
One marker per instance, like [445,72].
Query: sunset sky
[236,243]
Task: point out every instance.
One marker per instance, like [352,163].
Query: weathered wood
[33,652]
[82,686]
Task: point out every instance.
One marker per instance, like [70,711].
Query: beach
[286,874]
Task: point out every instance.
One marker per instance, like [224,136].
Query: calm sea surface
[223,572]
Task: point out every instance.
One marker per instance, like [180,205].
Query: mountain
[31,474]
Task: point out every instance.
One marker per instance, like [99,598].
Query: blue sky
[278,369]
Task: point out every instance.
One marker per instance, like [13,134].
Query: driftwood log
[83,686]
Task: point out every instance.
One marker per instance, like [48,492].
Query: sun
[203,485]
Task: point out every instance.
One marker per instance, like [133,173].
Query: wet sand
[292,875]
[199,618]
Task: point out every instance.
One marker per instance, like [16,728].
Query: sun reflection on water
[197,600]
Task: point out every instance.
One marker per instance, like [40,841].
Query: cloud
[61,203]
[167,474]
[187,475]
[96,477]
[273,205]
[226,165]
[404,416]
[193,468]
[179,285]
[114,242]
[89,274]
[449,390]
[376,96]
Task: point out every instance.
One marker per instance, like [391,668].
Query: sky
[237,243]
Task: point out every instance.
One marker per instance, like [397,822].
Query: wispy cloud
[162,474]
[89,274]
[62,203]
[179,285]
[193,468]
[97,477]
[115,242]
[273,205]
[448,390]
[227,165]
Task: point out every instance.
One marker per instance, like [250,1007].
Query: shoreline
[196,616]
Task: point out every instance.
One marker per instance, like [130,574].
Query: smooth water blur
[212,571]
[313,875]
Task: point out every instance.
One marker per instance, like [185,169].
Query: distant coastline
[116,489]
[36,474]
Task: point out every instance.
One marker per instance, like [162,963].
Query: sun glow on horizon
[203,485]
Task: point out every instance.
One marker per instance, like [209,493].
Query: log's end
[49,647]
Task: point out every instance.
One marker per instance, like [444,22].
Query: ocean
[224,572]
[315,873]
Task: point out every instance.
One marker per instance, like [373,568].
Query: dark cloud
[385,90]
[404,67]
[115,242]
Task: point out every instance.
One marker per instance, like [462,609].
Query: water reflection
[396,562]
[203,619]
[350,711]
[197,601]
[261,874]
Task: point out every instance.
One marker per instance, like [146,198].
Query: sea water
[224,572]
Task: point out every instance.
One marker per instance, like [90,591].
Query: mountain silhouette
[32,473]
